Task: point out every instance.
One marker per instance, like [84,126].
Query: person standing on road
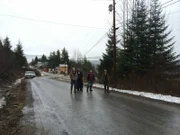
[73,77]
[90,80]
[79,80]
[106,81]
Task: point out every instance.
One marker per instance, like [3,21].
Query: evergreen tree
[52,60]
[32,62]
[1,45]
[7,43]
[7,59]
[85,65]
[163,57]
[43,58]
[107,59]
[53,54]
[135,52]
[20,58]
[58,57]
[36,60]
[19,49]
[65,56]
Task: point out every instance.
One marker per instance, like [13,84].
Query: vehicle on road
[30,74]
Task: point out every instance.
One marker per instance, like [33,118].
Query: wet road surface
[57,112]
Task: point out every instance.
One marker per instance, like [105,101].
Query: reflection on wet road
[57,112]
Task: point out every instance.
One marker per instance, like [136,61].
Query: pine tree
[32,62]
[7,43]
[65,56]
[19,49]
[43,58]
[107,59]
[52,60]
[58,57]
[7,59]
[19,53]
[1,45]
[135,52]
[36,60]
[163,57]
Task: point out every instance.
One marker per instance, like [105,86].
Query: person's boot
[71,91]
[108,90]
[91,88]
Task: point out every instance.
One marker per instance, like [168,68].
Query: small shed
[63,68]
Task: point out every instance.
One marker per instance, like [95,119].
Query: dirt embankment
[11,114]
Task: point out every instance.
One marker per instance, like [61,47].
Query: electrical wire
[96,44]
[174,13]
[171,4]
[167,2]
[51,22]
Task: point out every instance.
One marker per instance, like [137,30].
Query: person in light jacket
[73,77]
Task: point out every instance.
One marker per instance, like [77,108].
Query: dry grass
[12,112]
[152,83]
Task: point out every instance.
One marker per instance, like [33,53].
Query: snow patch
[18,81]
[166,98]
[2,102]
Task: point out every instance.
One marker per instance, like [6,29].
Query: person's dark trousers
[106,87]
[73,84]
[78,84]
[81,85]
[89,86]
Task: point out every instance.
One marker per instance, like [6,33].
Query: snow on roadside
[2,102]
[18,81]
[2,99]
[166,98]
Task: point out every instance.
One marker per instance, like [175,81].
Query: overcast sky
[40,38]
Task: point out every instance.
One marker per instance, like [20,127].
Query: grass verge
[11,114]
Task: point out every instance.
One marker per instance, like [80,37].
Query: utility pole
[112,8]
[114,40]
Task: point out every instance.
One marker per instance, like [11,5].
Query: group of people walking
[76,77]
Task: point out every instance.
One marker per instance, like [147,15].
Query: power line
[96,44]
[51,22]
[167,2]
[174,13]
[171,4]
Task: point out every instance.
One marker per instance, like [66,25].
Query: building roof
[63,65]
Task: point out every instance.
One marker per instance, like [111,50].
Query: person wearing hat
[106,82]
[73,77]
[90,80]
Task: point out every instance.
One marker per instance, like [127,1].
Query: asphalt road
[57,112]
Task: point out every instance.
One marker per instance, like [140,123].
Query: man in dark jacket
[90,80]
[106,81]
[79,80]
